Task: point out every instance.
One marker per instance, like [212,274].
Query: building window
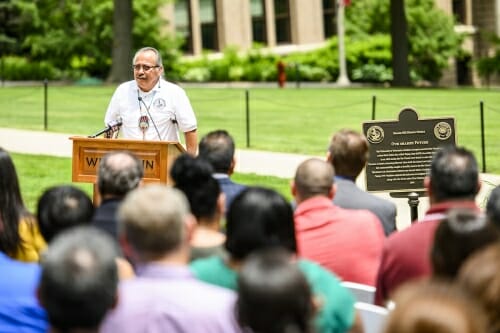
[208,25]
[258,12]
[329,18]
[282,21]
[183,25]
[458,8]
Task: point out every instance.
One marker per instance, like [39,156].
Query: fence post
[247,104]
[374,103]
[483,149]
[45,104]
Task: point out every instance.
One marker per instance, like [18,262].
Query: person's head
[259,218]
[479,275]
[155,222]
[79,279]
[434,307]
[348,153]
[453,175]
[12,207]
[313,177]
[119,172]
[493,207]
[62,207]
[193,176]
[273,294]
[217,147]
[148,68]
[459,235]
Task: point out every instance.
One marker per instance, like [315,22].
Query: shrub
[18,68]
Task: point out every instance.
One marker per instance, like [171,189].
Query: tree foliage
[432,39]
[78,35]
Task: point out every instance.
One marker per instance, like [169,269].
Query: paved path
[247,161]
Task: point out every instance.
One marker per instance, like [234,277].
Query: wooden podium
[157,158]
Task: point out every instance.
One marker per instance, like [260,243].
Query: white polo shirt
[168,105]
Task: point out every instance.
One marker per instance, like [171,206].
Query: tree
[399,37]
[122,41]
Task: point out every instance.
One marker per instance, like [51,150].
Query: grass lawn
[285,120]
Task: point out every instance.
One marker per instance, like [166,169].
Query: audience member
[19,234]
[260,219]
[479,275]
[164,297]
[458,236]
[19,308]
[348,242]
[273,294]
[193,176]
[119,173]
[493,207]
[434,307]
[348,153]
[217,147]
[62,207]
[453,182]
[79,280]
[65,206]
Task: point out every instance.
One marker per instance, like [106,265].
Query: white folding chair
[372,316]
[362,292]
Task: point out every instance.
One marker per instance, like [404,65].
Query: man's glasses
[145,68]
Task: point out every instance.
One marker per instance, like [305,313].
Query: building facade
[290,25]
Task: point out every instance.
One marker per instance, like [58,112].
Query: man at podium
[149,107]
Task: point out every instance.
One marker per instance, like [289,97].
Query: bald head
[119,173]
[313,177]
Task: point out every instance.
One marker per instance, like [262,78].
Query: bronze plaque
[401,151]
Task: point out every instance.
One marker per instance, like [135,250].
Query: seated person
[273,294]
[261,218]
[193,177]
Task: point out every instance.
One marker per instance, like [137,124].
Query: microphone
[111,125]
[139,98]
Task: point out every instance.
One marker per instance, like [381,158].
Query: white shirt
[168,105]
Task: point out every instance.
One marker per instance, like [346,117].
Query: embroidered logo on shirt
[159,103]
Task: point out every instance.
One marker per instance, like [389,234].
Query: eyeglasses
[145,68]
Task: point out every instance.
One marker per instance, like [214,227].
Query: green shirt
[336,313]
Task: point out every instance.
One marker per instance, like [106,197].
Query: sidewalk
[247,161]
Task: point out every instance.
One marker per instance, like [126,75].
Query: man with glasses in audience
[151,108]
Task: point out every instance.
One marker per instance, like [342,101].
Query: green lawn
[285,120]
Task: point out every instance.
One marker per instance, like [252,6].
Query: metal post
[483,149]
[413,203]
[343,79]
[297,76]
[247,103]
[374,104]
[45,104]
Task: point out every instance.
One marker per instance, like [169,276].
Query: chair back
[362,292]
[372,316]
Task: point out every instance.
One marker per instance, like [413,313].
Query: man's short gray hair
[159,62]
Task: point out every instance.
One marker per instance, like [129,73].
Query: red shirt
[345,241]
[406,254]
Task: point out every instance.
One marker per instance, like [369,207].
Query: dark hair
[193,177]
[273,294]
[12,208]
[493,207]
[79,278]
[454,174]
[259,218]
[217,147]
[460,234]
[62,207]
[119,172]
[349,153]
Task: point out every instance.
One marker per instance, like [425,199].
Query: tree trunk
[121,67]
[400,46]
